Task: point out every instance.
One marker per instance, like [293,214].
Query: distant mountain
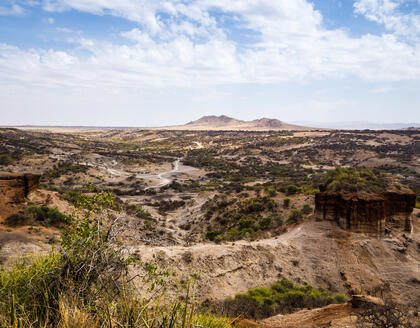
[360,125]
[224,122]
[269,123]
[214,120]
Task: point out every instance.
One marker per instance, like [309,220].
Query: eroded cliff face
[15,187]
[367,213]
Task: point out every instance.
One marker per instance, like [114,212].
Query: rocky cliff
[15,187]
[365,212]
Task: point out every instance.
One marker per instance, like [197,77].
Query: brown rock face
[398,209]
[368,213]
[15,187]
[364,301]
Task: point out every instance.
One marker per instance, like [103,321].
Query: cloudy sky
[159,62]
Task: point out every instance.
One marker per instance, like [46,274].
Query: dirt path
[199,145]
[167,177]
[164,177]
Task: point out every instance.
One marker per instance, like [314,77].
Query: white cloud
[189,47]
[12,10]
[382,90]
[388,13]
[49,20]
[141,11]
[65,30]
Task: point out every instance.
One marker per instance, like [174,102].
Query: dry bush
[390,315]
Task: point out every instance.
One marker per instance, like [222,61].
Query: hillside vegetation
[86,282]
[282,297]
[358,180]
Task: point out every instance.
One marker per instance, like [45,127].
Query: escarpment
[365,212]
[15,187]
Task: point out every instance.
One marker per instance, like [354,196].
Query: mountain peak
[226,123]
[268,122]
[215,120]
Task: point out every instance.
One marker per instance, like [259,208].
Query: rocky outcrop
[364,212]
[399,208]
[334,315]
[15,187]
[365,301]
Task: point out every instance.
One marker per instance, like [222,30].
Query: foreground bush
[282,297]
[86,283]
[87,273]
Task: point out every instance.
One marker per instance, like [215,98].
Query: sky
[165,62]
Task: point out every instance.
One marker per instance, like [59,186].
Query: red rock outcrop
[15,187]
[364,212]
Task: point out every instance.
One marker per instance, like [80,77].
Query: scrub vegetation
[282,297]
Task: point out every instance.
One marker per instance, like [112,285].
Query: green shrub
[233,234]
[306,209]
[247,232]
[138,211]
[286,202]
[309,190]
[39,215]
[282,297]
[48,187]
[246,223]
[340,298]
[6,159]
[265,223]
[292,189]
[65,167]
[47,215]
[34,285]
[294,216]
[240,218]
[91,199]
[211,234]
[355,180]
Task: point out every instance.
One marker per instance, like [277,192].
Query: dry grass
[72,317]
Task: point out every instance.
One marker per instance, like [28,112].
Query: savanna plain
[189,228]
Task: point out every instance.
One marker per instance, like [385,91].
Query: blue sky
[161,62]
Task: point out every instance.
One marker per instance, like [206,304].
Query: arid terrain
[232,209]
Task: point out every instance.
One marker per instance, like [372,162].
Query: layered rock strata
[15,187]
[367,213]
